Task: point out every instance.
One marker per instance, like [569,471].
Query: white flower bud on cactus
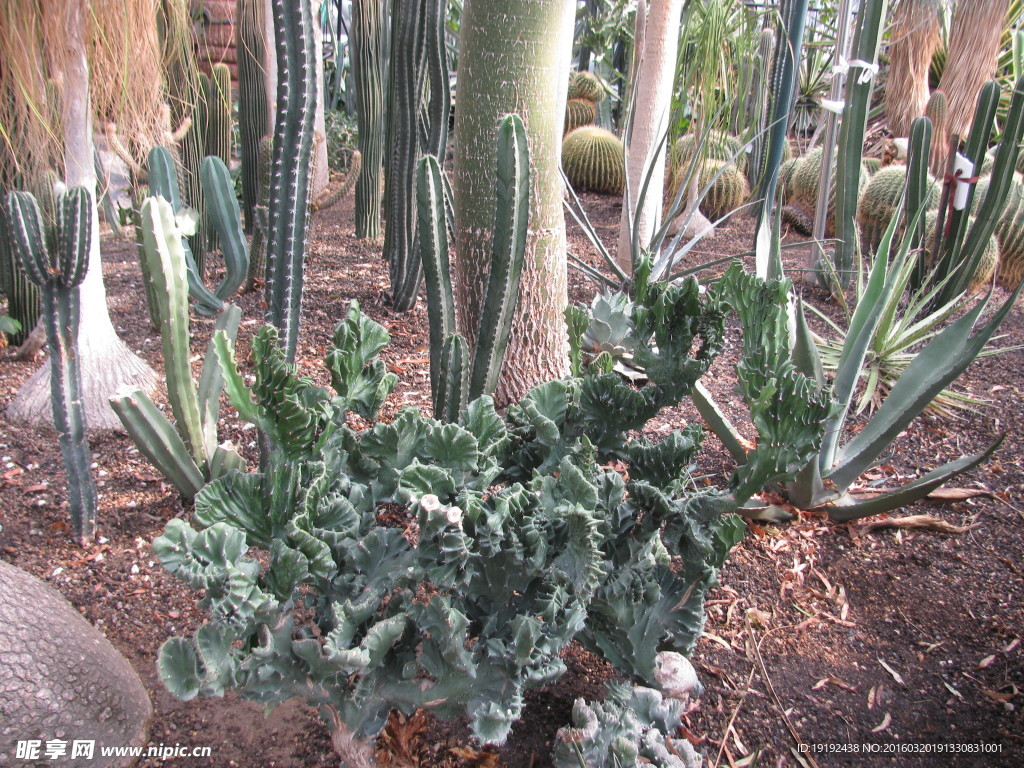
[430,503]
[454,515]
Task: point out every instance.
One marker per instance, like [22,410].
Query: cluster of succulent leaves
[525,531]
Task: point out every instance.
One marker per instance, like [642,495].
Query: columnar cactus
[58,273]
[289,180]
[802,190]
[368,57]
[23,299]
[592,160]
[252,100]
[416,126]
[186,452]
[937,111]
[218,113]
[222,216]
[451,384]
[258,244]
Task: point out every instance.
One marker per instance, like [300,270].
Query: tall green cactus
[508,255]
[252,100]
[960,254]
[23,299]
[58,272]
[289,179]
[368,57]
[218,113]
[417,125]
[186,452]
[221,213]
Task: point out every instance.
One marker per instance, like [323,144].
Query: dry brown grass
[916,34]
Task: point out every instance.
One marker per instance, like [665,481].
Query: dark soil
[826,644]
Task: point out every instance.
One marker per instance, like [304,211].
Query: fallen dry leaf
[956,494]
[1011,645]
[895,675]
[999,696]
[914,523]
[832,680]
[986,661]
[953,690]
[882,725]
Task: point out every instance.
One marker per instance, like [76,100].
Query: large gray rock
[61,679]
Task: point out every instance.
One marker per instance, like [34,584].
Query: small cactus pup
[59,272]
[593,162]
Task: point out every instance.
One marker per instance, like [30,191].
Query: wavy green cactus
[58,272]
[592,160]
[526,539]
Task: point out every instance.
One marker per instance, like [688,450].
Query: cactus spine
[880,200]
[252,101]
[449,382]
[592,160]
[58,273]
[415,127]
[289,179]
[368,56]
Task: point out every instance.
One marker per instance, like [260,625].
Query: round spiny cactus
[584,85]
[879,200]
[727,192]
[1010,233]
[786,176]
[592,160]
[990,258]
[578,112]
[802,190]
[873,165]
[717,146]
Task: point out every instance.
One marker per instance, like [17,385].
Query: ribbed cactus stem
[368,55]
[219,121]
[166,258]
[59,273]
[252,100]
[512,212]
[23,299]
[258,244]
[226,220]
[937,111]
[415,127]
[289,183]
[450,397]
[433,242]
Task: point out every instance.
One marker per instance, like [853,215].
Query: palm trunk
[107,364]
[974,41]
[514,57]
[657,38]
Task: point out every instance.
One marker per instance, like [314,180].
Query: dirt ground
[826,645]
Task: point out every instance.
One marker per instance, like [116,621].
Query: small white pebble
[103,539]
[57,571]
[135,568]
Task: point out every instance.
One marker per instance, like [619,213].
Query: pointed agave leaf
[512,215]
[911,492]
[858,339]
[944,358]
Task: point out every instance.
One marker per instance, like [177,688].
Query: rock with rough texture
[61,679]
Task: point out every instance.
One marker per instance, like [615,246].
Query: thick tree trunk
[658,34]
[916,33]
[971,61]
[321,173]
[514,56]
[107,364]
